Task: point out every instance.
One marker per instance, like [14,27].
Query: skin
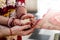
[39,24]
[50,21]
[14,29]
[23,11]
[4,21]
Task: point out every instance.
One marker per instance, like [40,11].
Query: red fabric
[19,38]
[22,1]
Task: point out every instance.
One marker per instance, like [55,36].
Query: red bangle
[10,22]
[10,32]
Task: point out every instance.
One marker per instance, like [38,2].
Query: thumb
[27,16]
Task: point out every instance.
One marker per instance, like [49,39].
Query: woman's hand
[20,11]
[30,17]
[25,20]
[19,30]
[21,22]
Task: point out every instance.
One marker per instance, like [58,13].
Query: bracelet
[10,31]
[10,22]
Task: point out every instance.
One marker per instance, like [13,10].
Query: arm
[16,30]
[4,20]
[4,31]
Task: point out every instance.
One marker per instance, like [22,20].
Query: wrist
[7,32]
[17,22]
[4,31]
[10,22]
[13,31]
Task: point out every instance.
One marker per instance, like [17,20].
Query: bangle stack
[10,22]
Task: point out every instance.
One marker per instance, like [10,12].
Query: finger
[25,27]
[37,24]
[21,11]
[18,29]
[17,22]
[25,22]
[28,23]
[32,21]
[27,16]
[27,32]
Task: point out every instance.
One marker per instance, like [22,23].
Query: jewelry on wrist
[10,22]
[10,31]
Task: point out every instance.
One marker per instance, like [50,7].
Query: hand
[51,20]
[19,30]
[30,17]
[27,16]
[16,22]
[21,11]
[37,23]
[25,19]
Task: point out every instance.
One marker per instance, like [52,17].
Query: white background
[45,5]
